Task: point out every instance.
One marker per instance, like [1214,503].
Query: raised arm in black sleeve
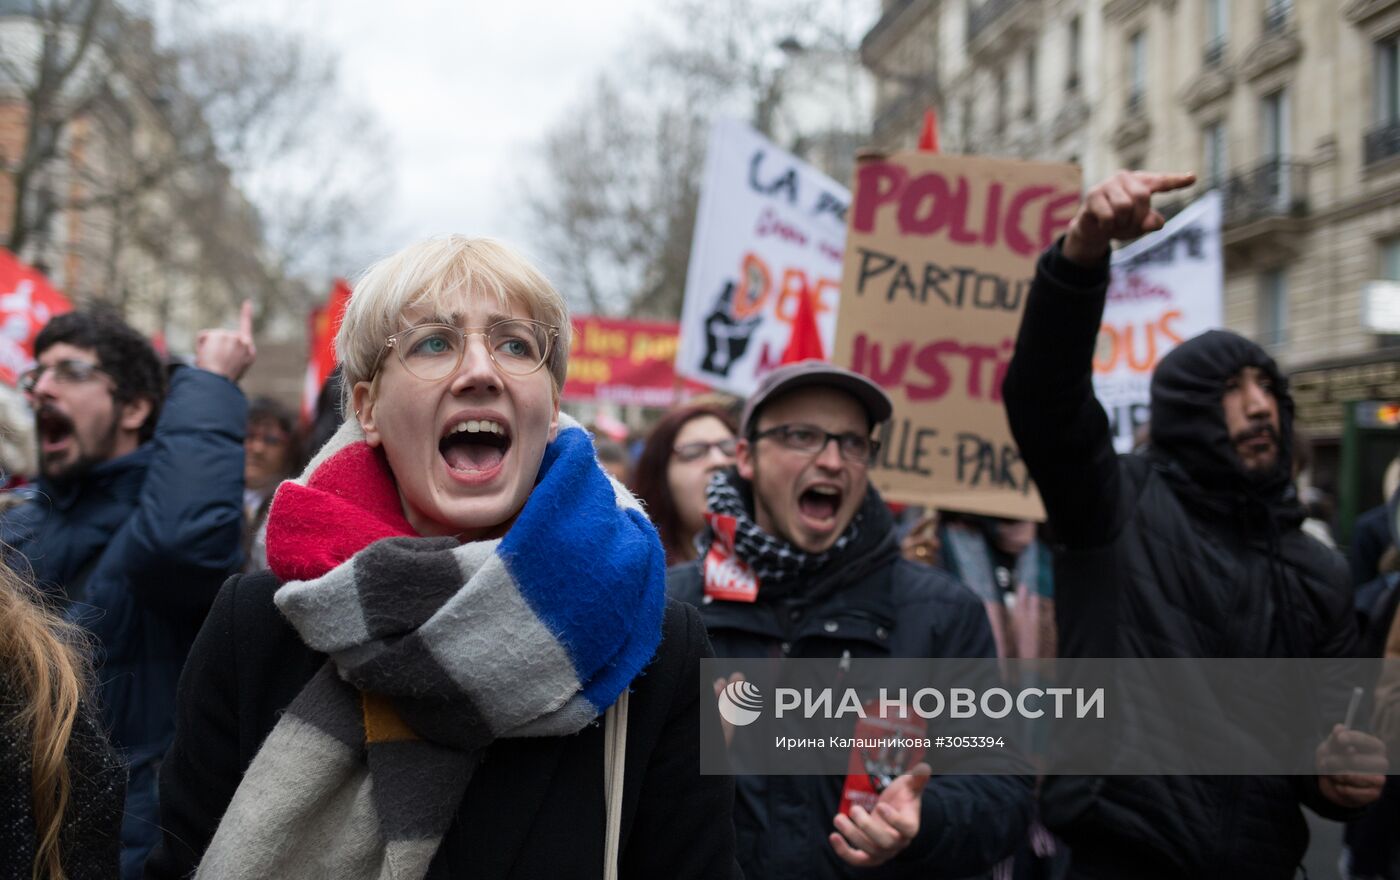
[1061,429]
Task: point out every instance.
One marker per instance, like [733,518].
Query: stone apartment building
[169,241]
[1290,107]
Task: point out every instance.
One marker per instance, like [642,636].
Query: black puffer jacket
[871,603]
[1174,554]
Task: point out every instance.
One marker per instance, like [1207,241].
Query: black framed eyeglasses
[811,440]
[701,448]
[517,346]
[69,371]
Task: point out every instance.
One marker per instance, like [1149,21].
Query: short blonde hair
[432,274]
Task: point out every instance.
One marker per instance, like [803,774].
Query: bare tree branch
[205,162]
[621,175]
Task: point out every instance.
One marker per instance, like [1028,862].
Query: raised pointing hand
[1119,209]
[228,352]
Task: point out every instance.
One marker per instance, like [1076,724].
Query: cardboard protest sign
[940,255]
[27,302]
[625,362]
[768,225]
[1165,288]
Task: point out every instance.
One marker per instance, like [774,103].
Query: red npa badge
[727,577]
[886,748]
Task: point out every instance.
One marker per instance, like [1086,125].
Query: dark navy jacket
[138,548]
[878,605]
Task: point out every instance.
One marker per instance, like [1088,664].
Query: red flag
[322,325]
[806,340]
[928,141]
[27,302]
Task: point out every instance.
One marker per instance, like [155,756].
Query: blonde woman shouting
[462,663]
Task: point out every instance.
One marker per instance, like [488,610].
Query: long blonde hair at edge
[41,655]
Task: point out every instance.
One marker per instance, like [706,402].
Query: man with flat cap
[821,575]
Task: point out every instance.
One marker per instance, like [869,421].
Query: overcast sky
[464,88]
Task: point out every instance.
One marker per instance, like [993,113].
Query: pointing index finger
[245,320]
[1160,183]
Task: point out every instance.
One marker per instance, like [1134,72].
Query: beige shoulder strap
[614,763]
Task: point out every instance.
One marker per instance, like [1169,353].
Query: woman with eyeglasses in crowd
[271,454]
[686,447]
[462,662]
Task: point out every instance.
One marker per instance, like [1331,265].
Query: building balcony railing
[984,14]
[1382,142]
[1274,188]
[1214,53]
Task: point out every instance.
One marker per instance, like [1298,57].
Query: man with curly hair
[136,519]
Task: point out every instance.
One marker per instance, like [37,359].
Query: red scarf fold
[349,502]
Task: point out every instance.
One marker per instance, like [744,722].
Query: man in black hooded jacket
[1191,550]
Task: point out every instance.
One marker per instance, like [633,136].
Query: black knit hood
[1190,439]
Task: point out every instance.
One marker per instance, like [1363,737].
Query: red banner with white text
[612,360]
[27,302]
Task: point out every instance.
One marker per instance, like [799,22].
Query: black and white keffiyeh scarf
[436,649]
[779,566]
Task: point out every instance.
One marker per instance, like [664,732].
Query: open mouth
[820,503]
[475,445]
[55,430]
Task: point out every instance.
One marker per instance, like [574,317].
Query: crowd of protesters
[447,631]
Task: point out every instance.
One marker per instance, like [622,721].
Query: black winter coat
[1174,554]
[1370,537]
[89,837]
[534,807]
[876,606]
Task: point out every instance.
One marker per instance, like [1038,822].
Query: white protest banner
[768,225]
[1165,288]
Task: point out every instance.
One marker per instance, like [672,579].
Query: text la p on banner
[940,253]
[768,228]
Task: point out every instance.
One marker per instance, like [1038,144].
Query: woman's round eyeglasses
[517,346]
